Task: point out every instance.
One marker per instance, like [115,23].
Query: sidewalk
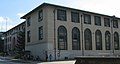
[59,62]
[37,62]
[8,58]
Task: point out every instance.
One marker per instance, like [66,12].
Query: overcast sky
[11,11]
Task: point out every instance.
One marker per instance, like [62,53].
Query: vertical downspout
[82,35]
[112,21]
[54,36]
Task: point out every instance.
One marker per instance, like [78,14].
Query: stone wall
[97,60]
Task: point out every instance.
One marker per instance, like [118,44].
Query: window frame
[76,32]
[97,20]
[75,17]
[87,19]
[98,44]
[107,44]
[61,15]
[40,15]
[40,31]
[107,22]
[28,21]
[62,38]
[115,24]
[28,36]
[116,40]
[88,38]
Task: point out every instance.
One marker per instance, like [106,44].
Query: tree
[1,44]
[20,45]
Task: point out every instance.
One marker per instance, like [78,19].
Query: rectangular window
[41,33]
[28,21]
[10,39]
[75,17]
[97,20]
[115,24]
[107,22]
[61,15]
[28,36]
[40,15]
[87,19]
[6,40]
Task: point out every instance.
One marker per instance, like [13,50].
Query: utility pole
[6,37]
[6,24]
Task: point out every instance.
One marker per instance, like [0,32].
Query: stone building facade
[65,32]
[10,38]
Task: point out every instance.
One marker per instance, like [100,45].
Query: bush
[1,54]
[17,56]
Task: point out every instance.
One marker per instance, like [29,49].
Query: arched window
[116,41]
[107,40]
[98,39]
[62,38]
[88,39]
[75,39]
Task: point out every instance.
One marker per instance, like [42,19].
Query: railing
[97,60]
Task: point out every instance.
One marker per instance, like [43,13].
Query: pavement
[52,62]
[59,62]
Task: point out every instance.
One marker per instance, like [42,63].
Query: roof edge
[23,17]
[43,4]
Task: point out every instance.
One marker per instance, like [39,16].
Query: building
[65,32]
[10,40]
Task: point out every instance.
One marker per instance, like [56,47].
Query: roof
[15,27]
[44,4]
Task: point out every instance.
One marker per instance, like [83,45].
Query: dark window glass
[75,39]
[10,39]
[28,21]
[115,24]
[41,33]
[107,40]
[98,39]
[88,39]
[107,22]
[75,17]
[40,16]
[97,20]
[62,38]
[61,15]
[28,36]
[116,41]
[87,19]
